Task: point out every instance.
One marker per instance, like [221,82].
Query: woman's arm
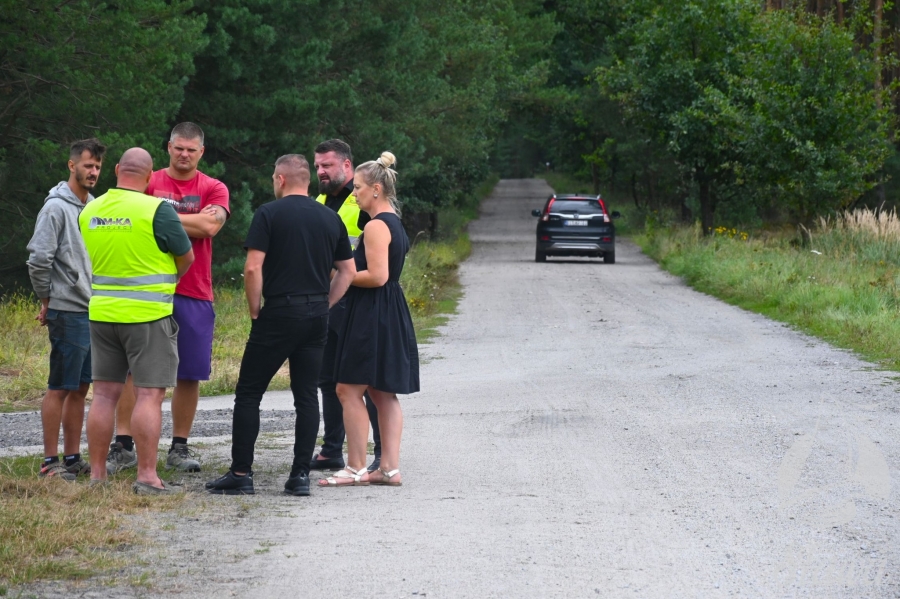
[378,238]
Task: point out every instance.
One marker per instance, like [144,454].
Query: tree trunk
[686,215]
[876,35]
[634,194]
[595,179]
[613,171]
[706,206]
[840,12]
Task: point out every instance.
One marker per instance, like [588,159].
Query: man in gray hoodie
[60,272]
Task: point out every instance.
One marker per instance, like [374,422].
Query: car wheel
[540,256]
[609,257]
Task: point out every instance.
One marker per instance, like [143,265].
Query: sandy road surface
[587,430]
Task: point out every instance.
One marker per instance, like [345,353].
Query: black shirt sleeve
[259,233]
[342,251]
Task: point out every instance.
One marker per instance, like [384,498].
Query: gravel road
[583,430]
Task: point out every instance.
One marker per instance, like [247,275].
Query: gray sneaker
[145,489]
[56,470]
[119,458]
[79,467]
[182,458]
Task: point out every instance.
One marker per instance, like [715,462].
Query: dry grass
[877,224]
[867,236]
[23,354]
[53,529]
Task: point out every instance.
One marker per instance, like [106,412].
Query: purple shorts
[196,320]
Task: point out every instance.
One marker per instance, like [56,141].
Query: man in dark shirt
[334,169]
[292,246]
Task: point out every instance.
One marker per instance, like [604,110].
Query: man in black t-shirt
[292,246]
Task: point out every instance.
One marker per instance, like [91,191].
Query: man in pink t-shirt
[202,205]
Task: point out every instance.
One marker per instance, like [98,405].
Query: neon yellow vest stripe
[349,214]
[132,280]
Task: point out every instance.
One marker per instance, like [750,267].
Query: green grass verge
[838,287]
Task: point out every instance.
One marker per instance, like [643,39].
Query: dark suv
[575,225]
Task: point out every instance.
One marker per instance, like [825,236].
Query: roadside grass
[232,330]
[24,351]
[430,282]
[839,281]
[51,528]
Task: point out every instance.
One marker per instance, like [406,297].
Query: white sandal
[346,474]
[386,481]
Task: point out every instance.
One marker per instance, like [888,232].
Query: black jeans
[279,334]
[333,412]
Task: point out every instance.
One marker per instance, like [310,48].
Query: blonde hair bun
[387,160]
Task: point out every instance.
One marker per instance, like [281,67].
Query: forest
[725,112]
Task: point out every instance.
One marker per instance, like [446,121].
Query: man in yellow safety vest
[334,168]
[138,251]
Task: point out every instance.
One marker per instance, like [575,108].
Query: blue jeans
[70,349]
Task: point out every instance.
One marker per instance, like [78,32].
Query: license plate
[575,223]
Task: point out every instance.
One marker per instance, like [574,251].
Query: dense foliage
[726,111]
[432,82]
[70,70]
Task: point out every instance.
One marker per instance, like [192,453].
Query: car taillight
[605,212]
[607,239]
[545,238]
[546,216]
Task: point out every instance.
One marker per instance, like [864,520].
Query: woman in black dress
[376,350]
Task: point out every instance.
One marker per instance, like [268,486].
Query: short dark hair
[339,147]
[187,130]
[92,145]
[294,168]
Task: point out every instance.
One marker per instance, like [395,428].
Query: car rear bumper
[576,248]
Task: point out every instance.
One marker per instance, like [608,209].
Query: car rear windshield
[580,206]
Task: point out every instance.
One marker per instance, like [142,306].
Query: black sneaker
[376,463]
[326,463]
[231,484]
[297,485]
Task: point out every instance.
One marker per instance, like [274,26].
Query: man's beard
[84,181]
[333,185]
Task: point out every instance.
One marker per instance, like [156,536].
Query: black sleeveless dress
[377,345]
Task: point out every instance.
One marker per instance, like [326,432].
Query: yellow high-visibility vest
[132,280]
[349,214]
